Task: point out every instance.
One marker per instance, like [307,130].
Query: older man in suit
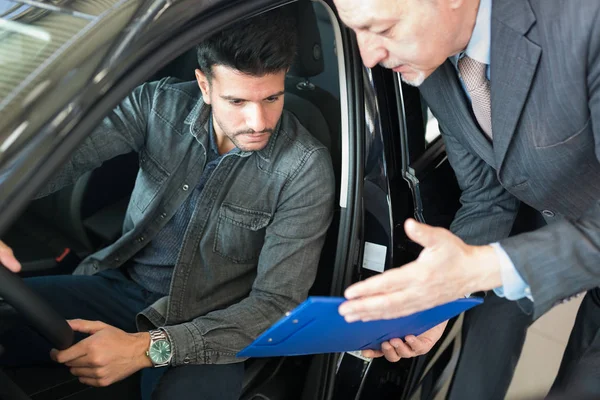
[515,86]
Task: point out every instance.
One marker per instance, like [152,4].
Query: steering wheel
[36,312]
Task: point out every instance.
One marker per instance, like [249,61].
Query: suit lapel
[514,61]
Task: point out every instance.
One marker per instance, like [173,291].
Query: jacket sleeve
[120,132]
[287,268]
[563,259]
[487,211]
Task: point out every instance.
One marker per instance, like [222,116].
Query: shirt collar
[478,47]
[212,139]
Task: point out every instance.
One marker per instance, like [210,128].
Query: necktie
[478,86]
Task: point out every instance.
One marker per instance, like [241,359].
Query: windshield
[33,33]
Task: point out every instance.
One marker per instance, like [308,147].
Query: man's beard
[233,137]
[242,147]
[417,81]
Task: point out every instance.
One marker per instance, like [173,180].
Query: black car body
[387,168]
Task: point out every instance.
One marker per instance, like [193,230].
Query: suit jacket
[545,94]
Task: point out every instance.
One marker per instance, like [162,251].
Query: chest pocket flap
[240,233]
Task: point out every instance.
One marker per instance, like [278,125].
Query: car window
[432,128]
[32,35]
[46,47]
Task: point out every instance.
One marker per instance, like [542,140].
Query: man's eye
[387,32]
[236,102]
[272,99]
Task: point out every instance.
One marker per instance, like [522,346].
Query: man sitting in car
[222,234]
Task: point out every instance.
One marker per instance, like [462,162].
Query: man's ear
[204,85]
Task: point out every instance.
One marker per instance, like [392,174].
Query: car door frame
[147,48]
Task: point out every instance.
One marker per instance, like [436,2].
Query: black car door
[406,174]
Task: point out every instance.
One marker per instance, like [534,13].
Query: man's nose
[256,119]
[371,50]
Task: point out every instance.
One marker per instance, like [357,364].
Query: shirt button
[527,291]
[185,187]
[548,213]
[95,266]
[117,259]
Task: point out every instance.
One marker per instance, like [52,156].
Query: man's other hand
[412,346]
[7,258]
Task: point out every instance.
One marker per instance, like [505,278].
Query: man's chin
[254,146]
[414,79]
[251,142]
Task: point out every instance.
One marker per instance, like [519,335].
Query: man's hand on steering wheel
[7,258]
[106,356]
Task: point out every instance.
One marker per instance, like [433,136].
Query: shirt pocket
[150,178]
[240,233]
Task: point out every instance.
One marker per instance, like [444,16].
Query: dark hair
[257,46]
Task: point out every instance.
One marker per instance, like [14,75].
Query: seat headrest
[309,58]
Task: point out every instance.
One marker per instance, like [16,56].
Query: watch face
[160,352]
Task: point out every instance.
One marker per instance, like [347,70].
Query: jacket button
[185,187]
[163,215]
[186,360]
[141,239]
[548,213]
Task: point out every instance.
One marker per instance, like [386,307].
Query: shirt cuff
[513,286]
[184,345]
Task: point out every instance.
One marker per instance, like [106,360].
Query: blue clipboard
[316,327]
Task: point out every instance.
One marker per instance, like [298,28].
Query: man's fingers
[372,353]
[402,349]
[419,345]
[389,352]
[7,258]
[93,382]
[423,234]
[374,285]
[83,361]
[68,355]
[396,348]
[84,326]
[74,352]
[86,372]
[391,280]
[88,381]
[384,306]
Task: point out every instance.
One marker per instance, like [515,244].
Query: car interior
[56,232]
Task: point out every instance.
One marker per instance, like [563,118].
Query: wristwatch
[159,351]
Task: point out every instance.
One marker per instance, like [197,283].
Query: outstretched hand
[446,269]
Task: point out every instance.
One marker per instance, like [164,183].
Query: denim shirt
[251,249]
[153,266]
